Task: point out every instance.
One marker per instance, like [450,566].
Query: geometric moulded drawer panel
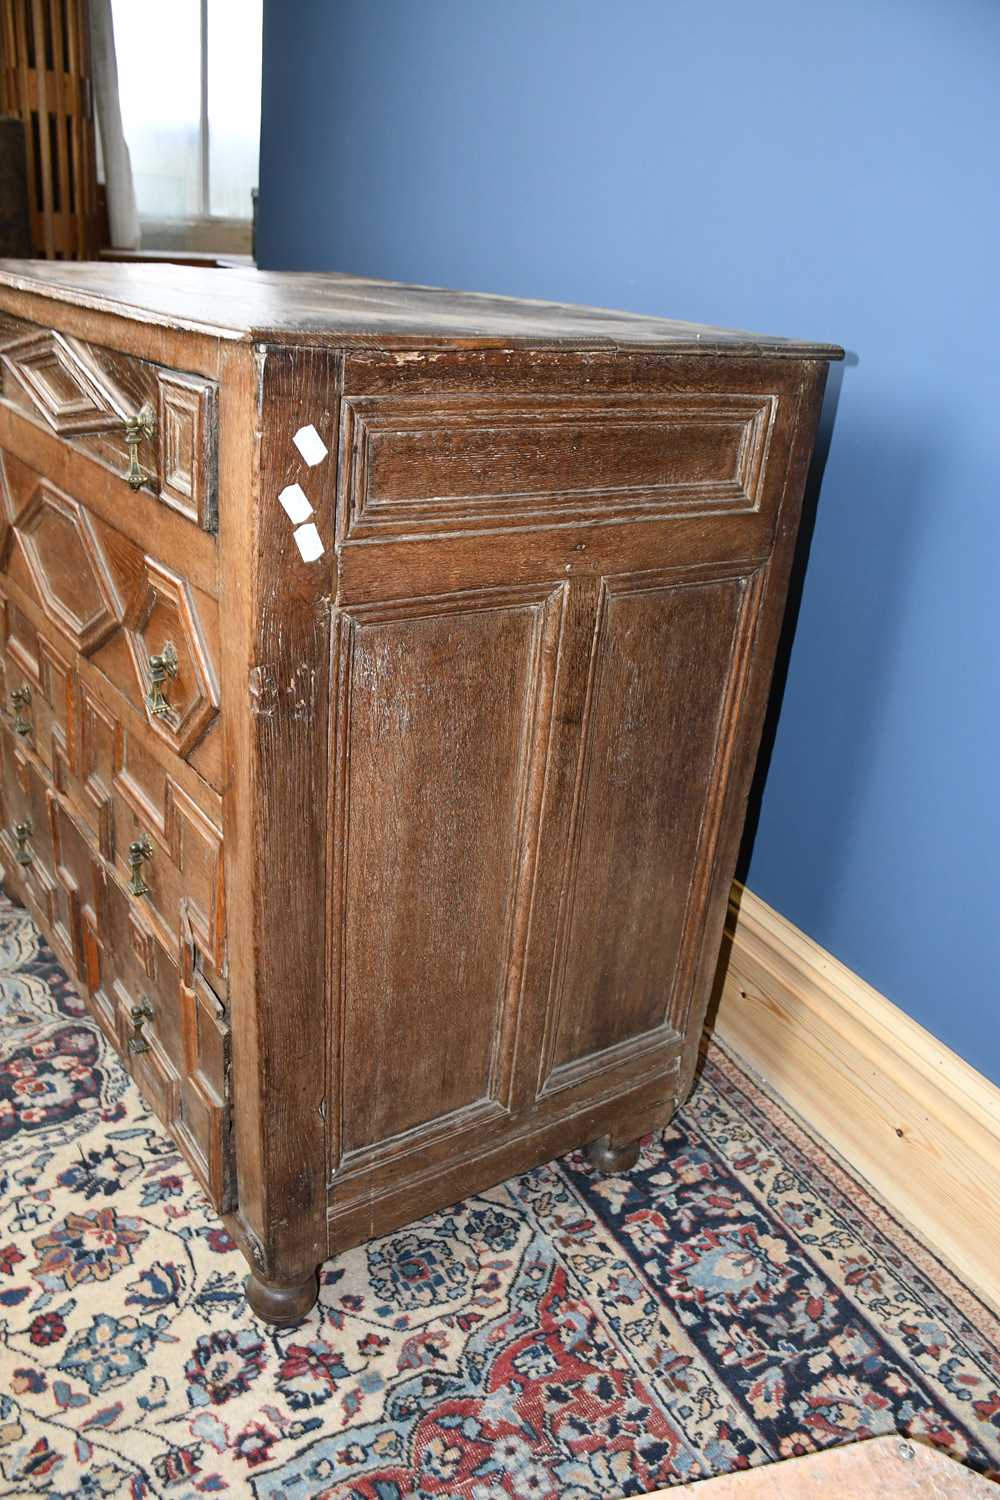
[71,576]
[64,384]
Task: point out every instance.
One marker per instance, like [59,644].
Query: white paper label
[310,445]
[296,503]
[308,542]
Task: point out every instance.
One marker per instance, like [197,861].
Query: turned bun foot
[282,1305]
[606,1157]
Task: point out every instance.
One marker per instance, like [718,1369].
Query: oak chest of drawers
[384,670]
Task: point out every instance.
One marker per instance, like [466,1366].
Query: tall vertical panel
[439,710]
[657,711]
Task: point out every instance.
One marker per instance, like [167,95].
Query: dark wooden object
[15,237]
[403,867]
[45,81]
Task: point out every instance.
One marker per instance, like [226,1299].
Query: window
[189,82]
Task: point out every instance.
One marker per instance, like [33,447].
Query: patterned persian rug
[736,1299]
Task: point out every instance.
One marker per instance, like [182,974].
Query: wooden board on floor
[908,1114]
[891,1468]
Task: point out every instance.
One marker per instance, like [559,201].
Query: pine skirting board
[906,1112]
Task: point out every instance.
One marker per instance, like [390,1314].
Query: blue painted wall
[822,171]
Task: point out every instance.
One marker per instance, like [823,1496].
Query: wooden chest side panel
[439,703]
[416,464]
[662,665]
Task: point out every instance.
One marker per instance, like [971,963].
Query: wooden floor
[885,1468]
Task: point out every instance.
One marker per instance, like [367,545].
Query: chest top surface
[242,302]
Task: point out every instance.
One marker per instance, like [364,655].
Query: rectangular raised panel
[135,968]
[203,1121]
[184,873]
[183,1070]
[153,1068]
[438,710]
[187,426]
[28,660]
[654,757]
[47,719]
[78,893]
[24,802]
[417,464]
[21,642]
[52,717]
[100,742]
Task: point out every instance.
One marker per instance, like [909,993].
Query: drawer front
[154,999]
[116,844]
[172,1031]
[61,871]
[25,835]
[154,427]
[168,851]
[153,635]
[121,786]
[35,685]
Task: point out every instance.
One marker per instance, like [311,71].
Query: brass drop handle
[22,833]
[139,1015]
[139,850]
[20,698]
[141,425]
[161,666]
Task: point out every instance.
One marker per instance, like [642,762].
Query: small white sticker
[296,503]
[308,542]
[310,445]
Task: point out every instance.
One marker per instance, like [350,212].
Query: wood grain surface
[411,872]
[354,309]
[891,1467]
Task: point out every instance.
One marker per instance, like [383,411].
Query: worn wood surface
[84,393]
[892,1468]
[45,80]
[353,309]
[663,653]
[445,810]
[276,612]
[434,818]
[88,599]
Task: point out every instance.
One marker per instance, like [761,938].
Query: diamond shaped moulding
[65,385]
[73,580]
[163,614]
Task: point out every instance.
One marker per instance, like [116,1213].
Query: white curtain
[122,213]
